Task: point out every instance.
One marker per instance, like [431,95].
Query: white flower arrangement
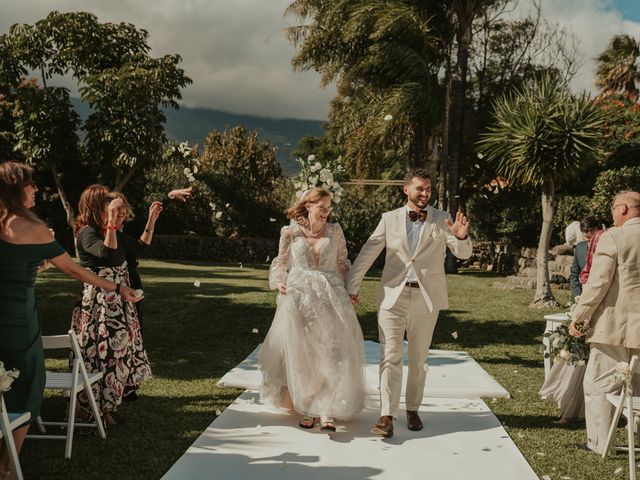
[314,174]
[7,377]
[622,372]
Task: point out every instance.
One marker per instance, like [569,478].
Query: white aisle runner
[451,374]
[462,439]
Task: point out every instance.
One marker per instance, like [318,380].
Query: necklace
[317,234]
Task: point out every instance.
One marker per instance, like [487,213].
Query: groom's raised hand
[461,226]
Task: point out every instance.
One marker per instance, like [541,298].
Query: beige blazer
[428,259]
[611,296]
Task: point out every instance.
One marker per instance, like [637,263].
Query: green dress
[20,339]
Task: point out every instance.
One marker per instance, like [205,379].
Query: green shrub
[608,184]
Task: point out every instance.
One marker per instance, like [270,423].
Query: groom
[412,291]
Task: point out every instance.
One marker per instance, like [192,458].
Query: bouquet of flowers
[314,174]
[572,349]
[7,377]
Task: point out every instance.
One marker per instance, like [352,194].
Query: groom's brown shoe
[384,427]
[413,421]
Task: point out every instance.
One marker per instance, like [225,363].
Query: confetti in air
[255,330]
[196,283]
[454,335]
[388,118]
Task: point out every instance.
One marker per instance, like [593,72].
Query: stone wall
[215,249]
[560,261]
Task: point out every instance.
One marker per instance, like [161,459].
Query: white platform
[462,439]
[451,375]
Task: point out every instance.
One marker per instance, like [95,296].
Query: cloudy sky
[239,60]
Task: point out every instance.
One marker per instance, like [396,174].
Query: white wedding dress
[314,347]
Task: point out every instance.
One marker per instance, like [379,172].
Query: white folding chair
[629,406]
[8,423]
[71,384]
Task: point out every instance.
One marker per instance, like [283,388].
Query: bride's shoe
[307,422]
[327,424]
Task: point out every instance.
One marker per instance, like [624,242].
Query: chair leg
[631,439]
[96,412]
[73,399]
[10,444]
[40,425]
[614,424]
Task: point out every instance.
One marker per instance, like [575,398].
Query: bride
[312,357]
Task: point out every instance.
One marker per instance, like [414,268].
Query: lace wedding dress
[314,348]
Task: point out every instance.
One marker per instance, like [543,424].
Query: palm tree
[386,57]
[617,68]
[540,137]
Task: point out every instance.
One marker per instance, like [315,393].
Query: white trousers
[598,382]
[410,314]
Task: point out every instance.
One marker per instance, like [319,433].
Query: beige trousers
[598,382]
[410,314]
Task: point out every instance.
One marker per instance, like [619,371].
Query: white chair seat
[64,381]
[15,420]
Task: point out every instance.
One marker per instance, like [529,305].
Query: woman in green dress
[25,242]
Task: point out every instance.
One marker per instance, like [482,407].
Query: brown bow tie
[421,215]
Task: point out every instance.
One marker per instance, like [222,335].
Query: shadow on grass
[146,451]
[485,332]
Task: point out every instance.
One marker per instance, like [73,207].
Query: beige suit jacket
[611,296]
[427,261]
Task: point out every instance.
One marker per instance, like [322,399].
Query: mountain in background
[193,124]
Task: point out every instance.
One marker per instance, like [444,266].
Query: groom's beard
[420,203]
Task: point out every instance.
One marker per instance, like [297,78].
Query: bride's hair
[299,212]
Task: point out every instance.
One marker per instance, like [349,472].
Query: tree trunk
[444,153]
[544,296]
[122,181]
[457,124]
[68,208]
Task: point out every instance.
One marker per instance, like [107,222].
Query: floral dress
[107,327]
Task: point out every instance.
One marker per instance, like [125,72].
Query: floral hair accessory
[314,174]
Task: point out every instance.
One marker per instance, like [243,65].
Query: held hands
[154,211]
[461,226]
[282,288]
[354,299]
[181,194]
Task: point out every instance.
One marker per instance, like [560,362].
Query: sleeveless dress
[314,348]
[20,333]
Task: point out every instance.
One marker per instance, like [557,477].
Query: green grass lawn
[193,335]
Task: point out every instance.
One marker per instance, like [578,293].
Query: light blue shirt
[414,229]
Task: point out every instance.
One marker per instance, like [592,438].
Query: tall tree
[125,87]
[385,57]
[617,67]
[540,137]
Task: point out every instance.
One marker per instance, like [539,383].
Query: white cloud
[239,59]
[235,51]
[594,23]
